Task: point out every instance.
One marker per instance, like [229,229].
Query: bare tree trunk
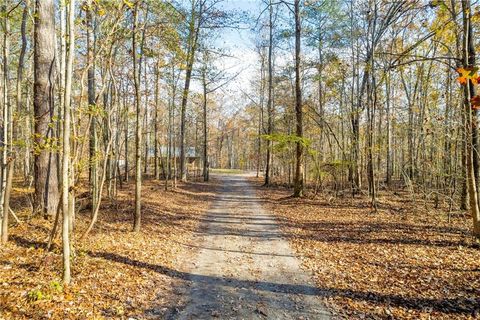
[354,174]
[138,126]
[371,90]
[298,178]
[268,162]
[20,102]
[191,50]
[205,137]
[371,106]
[146,135]
[66,171]
[46,183]
[146,94]
[175,155]
[4,141]
[92,107]
[388,91]
[168,175]
[464,183]
[470,128]
[171,157]
[6,200]
[127,167]
[155,134]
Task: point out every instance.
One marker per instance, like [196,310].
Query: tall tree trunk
[194,31]
[371,90]
[388,99]
[268,162]
[138,126]
[169,139]
[447,144]
[143,61]
[146,135]
[45,165]
[471,124]
[371,107]
[66,171]
[20,102]
[5,123]
[321,107]
[92,106]
[354,170]
[205,128]
[464,201]
[126,167]
[298,179]
[155,133]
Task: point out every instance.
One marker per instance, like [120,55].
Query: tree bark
[191,50]
[298,178]
[268,162]
[470,127]
[5,123]
[93,168]
[20,101]
[205,137]
[45,162]
[66,171]
[138,126]
[155,134]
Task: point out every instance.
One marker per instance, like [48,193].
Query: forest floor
[233,249]
[117,274]
[404,262]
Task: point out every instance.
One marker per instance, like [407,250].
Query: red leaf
[475,102]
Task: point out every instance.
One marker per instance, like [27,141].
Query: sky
[239,45]
[243,62]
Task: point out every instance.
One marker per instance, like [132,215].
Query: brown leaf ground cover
[117,273]
[400,263]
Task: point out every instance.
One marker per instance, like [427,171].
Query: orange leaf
[462,80]
[466,74]
[475,102]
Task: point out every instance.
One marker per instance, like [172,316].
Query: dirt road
[243,268]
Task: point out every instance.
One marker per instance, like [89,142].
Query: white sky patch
[242,59]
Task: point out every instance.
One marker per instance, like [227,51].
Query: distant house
[190,153]
[194,164]
[193,160]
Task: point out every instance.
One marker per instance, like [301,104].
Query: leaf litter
[404,262]
[117,274]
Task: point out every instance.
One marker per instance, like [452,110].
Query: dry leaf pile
[399,263]
[117,273]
